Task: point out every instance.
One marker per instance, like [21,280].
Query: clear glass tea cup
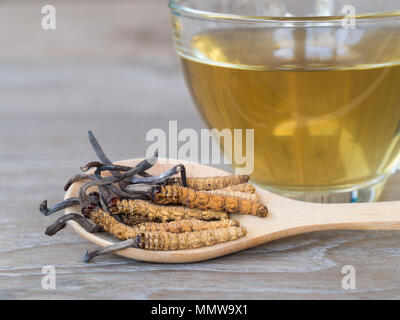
[317,80]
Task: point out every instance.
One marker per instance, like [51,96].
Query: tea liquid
[323,120]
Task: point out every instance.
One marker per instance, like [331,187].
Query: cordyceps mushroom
[163,213]
[238,194]
[242,187]
[175,194]
[155,212]
[61,223]
[209,183]
[177,235]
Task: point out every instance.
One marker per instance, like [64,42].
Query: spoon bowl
[285,218]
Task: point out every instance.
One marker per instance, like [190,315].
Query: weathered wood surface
[110,67]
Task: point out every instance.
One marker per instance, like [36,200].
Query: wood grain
[120,79]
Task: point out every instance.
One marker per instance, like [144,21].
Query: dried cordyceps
[188,240]
[163,177]
[164,238]
[242,187]
[147,179]
[140,167]
[123,232]
[186,225]
[102,156]
[108,223]
[163,213]
[61,223]
[239,194]
[159,212]
[157,240]
[60,206]
[109,249]
[133,219]
[210,183]
[78,177]
[175,194]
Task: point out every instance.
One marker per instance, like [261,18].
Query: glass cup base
[370,193]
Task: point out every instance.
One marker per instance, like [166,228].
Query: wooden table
[110,67]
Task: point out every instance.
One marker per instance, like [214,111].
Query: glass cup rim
[177,8]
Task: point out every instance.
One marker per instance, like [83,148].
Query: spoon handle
[369,216]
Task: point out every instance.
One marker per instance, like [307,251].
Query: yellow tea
[324,119]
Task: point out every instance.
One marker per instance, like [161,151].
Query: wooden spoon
[286,218]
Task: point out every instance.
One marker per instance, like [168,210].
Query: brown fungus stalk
[163,213]
[210,183]
[188,240]
[104,158]
[123,232]
[165,240]
[163,177]
[175,194]
[185,225]
[238,194]
[140,167]
[242,187]
[133,219]
[43,208]
[89,256]
[61,223]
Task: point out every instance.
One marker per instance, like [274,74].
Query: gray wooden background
[110,67]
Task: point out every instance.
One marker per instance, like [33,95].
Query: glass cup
[317,80]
